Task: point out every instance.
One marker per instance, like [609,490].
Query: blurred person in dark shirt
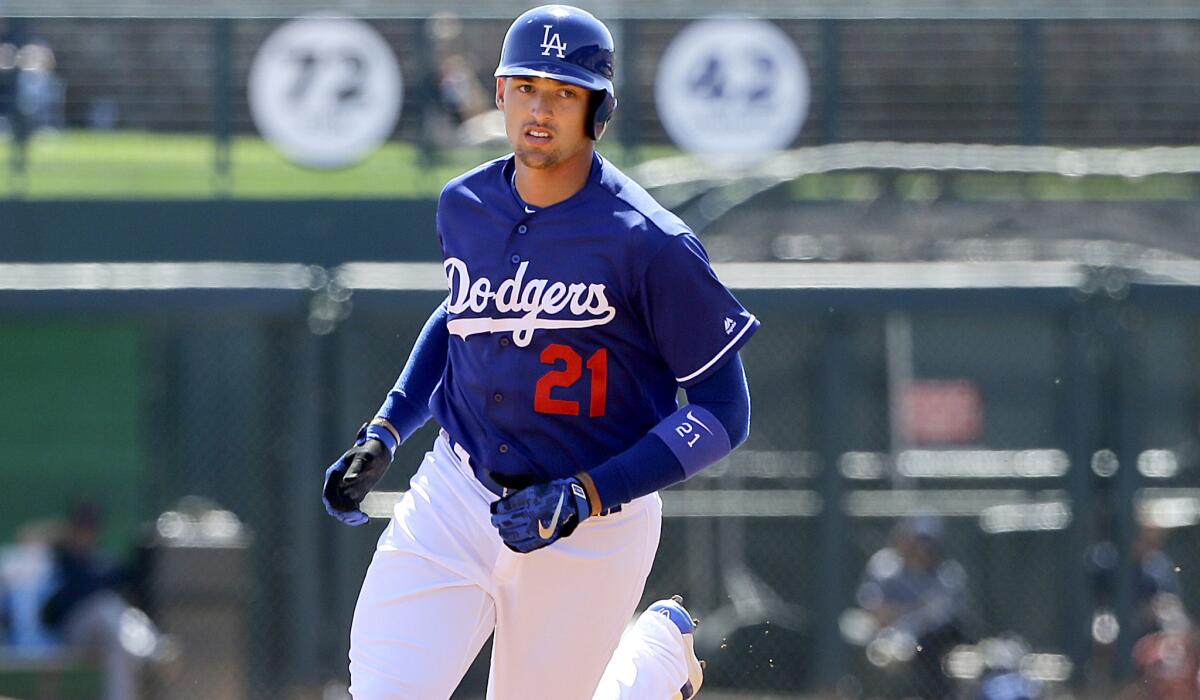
[32,94]
[1156,583]
[87,607]
[40,92]
[1167,653]
[8,76]
[459,89]
[915,595]
[1158,579]
[1167,666]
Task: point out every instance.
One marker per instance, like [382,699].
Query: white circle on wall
[325,91]
[732,88]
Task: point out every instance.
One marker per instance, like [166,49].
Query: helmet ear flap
[601,105]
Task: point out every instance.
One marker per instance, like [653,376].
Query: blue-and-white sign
[733,88]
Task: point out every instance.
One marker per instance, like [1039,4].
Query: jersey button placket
[503,448]
[505,342]
[522,229]
[497,397]
[515,259]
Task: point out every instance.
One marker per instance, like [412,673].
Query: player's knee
[373,681]
[367,687]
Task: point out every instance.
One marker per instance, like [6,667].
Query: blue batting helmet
[568,44]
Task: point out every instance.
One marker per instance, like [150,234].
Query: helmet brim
[556,71]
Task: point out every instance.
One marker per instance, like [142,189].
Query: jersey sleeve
[696,323]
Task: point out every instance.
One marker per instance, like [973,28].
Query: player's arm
[699,328]
[403,412]
[406,407]
[714,422]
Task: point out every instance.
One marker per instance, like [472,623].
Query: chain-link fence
[159,106]
[942,485]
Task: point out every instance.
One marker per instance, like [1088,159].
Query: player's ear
[500,93]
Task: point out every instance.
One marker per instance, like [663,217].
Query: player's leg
[561,610]
[425,608]
[656,659]
[417,628]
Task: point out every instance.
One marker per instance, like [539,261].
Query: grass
[151,165]
[140,165]
[137,165]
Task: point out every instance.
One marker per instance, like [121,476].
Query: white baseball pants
[442,581]
[648,665]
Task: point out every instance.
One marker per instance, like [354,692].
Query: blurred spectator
[460,95]
[26,570]
[462,111]
[469,105]
[8,76]
[40,92]
[1157,582]
[1002,677]
[1008,685]
[103,114]
[1167,654]
[459,90]
[87,609]
[32,96]
[914,595]
[1168,666]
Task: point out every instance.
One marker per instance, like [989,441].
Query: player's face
[544,120]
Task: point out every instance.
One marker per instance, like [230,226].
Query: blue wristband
[695,437]
[383,435]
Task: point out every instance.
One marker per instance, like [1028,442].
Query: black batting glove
[354,475]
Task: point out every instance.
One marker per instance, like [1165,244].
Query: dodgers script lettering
[533,298]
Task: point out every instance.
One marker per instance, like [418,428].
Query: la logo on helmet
[552,42]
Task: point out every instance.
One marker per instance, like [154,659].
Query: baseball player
[577,309]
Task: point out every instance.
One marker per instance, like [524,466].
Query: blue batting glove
[540,515]
[336,504]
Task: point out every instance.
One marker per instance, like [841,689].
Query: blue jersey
[572,326]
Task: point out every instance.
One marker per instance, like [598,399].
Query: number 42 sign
[735,89]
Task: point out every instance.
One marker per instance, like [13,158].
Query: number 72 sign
[325,91]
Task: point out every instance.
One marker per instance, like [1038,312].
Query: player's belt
[482,476]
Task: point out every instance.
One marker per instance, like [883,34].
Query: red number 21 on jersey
[597,366]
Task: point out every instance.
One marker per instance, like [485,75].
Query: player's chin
[537,159]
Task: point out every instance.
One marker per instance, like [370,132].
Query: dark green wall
[71,421]
[321,232]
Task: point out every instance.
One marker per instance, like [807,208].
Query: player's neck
[546,187]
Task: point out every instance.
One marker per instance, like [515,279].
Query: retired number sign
[733,88]
[325,91]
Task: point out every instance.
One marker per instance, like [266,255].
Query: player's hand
[540,515]
[351,478]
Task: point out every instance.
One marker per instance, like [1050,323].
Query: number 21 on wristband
[572,370]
